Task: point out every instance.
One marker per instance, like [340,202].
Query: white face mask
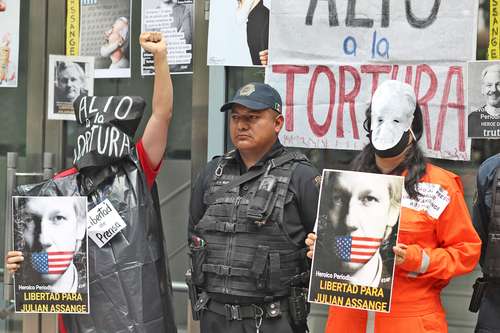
[393,105]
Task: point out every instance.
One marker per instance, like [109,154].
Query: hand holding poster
[325,32]
[51,234]
[357,226]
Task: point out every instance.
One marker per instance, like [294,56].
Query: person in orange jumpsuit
[437,240]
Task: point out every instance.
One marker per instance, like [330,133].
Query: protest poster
[494,44]
[324,106]
[105,27]
[238,30]
[9,42]
[327,31]
[357,227]
[175,20]
[51,234]
[69,77]
[484,99]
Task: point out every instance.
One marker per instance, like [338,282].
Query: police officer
[250,212]
[487,224]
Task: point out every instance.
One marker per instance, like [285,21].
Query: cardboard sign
[104,223]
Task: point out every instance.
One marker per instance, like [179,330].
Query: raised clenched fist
[153,42]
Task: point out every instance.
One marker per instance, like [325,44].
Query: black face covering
[394,151]
[107,126]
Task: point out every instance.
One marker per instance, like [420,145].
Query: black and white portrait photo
[69,77]
[484,99]
[105,28]
[51,233]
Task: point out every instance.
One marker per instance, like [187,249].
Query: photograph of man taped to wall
[357,226]
[51,234]
[484,99]
[69,78]
[105,31]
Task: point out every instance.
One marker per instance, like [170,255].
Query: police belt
[248,311]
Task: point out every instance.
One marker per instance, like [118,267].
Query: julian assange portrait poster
[357,227]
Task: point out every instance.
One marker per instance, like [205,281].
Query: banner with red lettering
[324,106]
[330,31]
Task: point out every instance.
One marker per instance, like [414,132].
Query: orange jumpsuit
[442,243]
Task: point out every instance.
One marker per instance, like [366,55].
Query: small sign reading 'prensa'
[104,223]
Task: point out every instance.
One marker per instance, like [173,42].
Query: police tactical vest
[492,258]
[247,257]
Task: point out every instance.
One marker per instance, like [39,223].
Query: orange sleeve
[150,171]
[458,245]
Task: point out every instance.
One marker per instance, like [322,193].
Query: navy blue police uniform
[488,319]
[247,240]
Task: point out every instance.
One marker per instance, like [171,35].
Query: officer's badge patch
[247,90]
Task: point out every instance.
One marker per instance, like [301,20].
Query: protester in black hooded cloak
[129,282]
